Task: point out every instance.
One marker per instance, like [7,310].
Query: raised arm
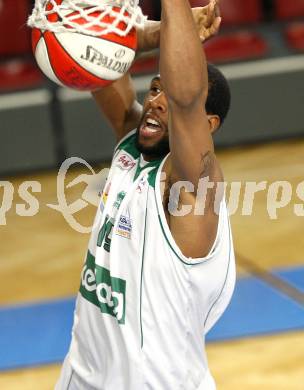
[184,78]
[119,105]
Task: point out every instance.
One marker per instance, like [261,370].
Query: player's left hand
[207,19]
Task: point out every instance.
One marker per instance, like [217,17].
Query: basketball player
[154,282]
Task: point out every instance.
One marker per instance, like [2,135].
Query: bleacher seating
[242,43]
[145,65]
[17,67]
[19,74]
[236,46]
[294,35]
[237,41]
[294,30]
[286,10]
[12,21]
[236,12]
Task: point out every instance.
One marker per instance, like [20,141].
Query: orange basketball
[81,61]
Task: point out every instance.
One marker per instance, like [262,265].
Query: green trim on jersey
[102,290]
[152,174]
[168,242]
[142,272]
[128,145]
[197,261]
[184,261]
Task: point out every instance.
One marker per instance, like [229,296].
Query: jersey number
[104,235]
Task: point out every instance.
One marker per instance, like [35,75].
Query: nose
[158,102]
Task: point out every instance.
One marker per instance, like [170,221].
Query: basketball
[82,61]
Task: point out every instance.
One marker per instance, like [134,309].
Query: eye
[155,89]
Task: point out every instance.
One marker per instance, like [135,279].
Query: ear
[214,122]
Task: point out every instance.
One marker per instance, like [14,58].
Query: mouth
[150,127]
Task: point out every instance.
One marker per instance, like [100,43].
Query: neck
[149,158]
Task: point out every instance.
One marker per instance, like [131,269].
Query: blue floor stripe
[40,333]
[35,334]
[257,308]
[293,276]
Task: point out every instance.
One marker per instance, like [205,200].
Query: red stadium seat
[238,46]
[17,67]
[13,16]
[295,36]
[19,74]
[236,12]
[289,9]
[145,66]
[294,32]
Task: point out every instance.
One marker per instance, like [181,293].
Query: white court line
[238,71]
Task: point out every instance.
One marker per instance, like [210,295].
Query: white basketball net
[129,12]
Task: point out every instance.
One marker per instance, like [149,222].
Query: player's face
[152,132]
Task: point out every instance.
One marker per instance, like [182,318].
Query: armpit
[208,165]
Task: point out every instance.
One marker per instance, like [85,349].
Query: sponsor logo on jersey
[125,161]
[106,194]
[105,234]
[103,290]
[124,228]
[141,185]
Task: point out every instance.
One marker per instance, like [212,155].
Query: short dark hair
[219,96]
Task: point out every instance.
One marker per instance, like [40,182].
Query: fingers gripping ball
[81,61]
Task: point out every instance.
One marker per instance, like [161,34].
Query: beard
[160,149]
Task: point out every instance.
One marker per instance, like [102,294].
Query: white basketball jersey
[144,308]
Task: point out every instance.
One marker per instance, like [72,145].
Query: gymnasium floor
[259,343]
